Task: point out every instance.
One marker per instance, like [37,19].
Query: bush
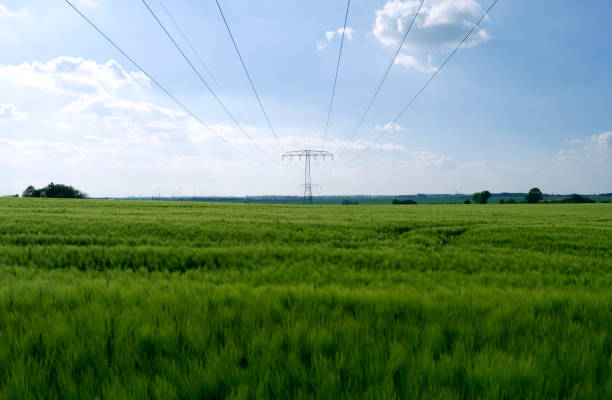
[467,201]
[511,201]
[348,202]
[403,201]
[52,190]
[502,201]
[481,197]
[534,196]
[577,199]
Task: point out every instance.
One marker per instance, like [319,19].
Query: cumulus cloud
[411,62]
[596,149]
[4,12]
[439,26]
[141,122]
[330,35]
[72,76]
[8,112]
[391,126]
[601,142]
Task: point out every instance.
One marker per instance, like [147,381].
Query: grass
[118,299]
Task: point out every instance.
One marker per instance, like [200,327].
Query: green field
[120,299]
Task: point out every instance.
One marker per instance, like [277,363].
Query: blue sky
[526,103]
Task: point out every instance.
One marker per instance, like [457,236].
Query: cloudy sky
[526,102]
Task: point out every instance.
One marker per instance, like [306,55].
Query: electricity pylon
[308,155]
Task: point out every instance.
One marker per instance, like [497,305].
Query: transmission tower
[307,155]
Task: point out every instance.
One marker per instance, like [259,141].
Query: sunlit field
[120,299]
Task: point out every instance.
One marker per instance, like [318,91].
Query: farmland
[137,299]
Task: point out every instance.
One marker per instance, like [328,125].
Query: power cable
[246,71]
[331,102]
[386,74]
[202,63]
[159,85]
[433,76]
[178,47]
[418,93]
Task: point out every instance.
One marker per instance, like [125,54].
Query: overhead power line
[227,111]
[159,85]
[201,61]
[433,76]
[331,102]
[386,74]
[246,71]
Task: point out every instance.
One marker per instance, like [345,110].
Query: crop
[118,299]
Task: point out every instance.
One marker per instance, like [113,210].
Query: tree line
[534,196]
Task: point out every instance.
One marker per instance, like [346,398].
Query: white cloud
[348,32]
[439,26]
[137,119]
[602,142]
[4,12]
[330,35]
[594,150]
[391,126]
[8,112]
[72,76]
[64,126]
[411,62]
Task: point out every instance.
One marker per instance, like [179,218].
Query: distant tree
[54,191]
[511,201]
[534,196]
[481,197]
[502,201]
[30,192]
[403,201]
[467,201]
[348,202]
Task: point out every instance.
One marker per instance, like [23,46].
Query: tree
[534,196]
[467,201]
[54,191]
[481,197]
[29,192]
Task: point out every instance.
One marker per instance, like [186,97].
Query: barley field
[136,299]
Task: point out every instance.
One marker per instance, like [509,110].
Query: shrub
[403,201]
[467,201]
[577,199]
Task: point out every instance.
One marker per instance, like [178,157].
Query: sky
[524,102]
